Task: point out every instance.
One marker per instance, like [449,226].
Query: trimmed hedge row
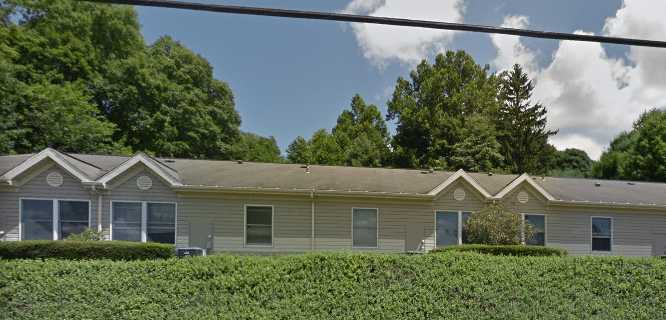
[449,285]
[77,250]
[505,250]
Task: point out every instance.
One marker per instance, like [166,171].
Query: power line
[315,15]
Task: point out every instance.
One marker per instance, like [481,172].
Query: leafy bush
[86,235]
[76,250]
[505,250]
[450,285]
[494,224]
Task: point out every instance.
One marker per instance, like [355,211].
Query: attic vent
[307,169]
[490,173]
[597,184]
[169,160]
[459,194]
[631,183]
[523,197]
[54,179]
[239,161]
[144,183]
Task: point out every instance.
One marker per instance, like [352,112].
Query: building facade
[256,207]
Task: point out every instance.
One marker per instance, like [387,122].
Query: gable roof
[271,177]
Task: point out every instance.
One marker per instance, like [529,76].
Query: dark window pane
[465,217]
[126,224]
[601,244]
[259,235]
[161,222]
[538,223]
[74,217]
[259,222]
[601,227]
[259,215]
[37,219]
[447,228]
[365,228]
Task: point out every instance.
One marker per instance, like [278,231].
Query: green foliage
[639,154]
[494,225]
[253,147]
[433,111]
[339,286]
[79,77]
[86,235]
[76,250]
[360,138]
[521,125]
[570,163]
[505,250]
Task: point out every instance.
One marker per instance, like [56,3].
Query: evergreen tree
[521,124]
[299,151]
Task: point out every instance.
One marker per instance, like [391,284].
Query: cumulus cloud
[381,44]
[509,48]
[592,97]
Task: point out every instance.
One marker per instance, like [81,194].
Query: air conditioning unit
[190,252]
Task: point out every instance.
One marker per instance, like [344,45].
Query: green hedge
[76,250]
[505,250]
[450,285]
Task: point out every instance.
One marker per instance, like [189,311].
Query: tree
[299,151]
[325,149]
[253,147]
[121,94]
[639,154]
[570,163]
[521,125]
[494,224]
[478,151]
[362,135]
[434,107]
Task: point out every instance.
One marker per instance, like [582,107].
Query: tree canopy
[639,154]
[79,77]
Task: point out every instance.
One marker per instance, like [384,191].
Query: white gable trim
[524,178]
[37,158]
[139,158]
[460,174]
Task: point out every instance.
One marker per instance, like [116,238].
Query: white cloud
[591,97]
[381,43]
[509,48]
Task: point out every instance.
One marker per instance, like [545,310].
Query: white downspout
[312,240]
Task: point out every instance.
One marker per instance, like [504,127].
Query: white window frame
[250,245]
[545,227]
[352,228]
[612,235]
[460,223]
[144,217]
[56,213]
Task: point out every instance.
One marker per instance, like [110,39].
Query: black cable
[384,20]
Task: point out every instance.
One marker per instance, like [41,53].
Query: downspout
[99,208]
[312,239]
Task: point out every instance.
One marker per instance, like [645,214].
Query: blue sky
[292,77]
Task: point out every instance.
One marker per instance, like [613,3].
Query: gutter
[303,192]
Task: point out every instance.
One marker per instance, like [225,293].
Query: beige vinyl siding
[633,232]
[536,202]
[32,184]
[226,212]
[124,188]
[474,201]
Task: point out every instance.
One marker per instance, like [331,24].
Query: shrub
[505,250]
[336,286]
[496,225]
[76,250]
[86,235]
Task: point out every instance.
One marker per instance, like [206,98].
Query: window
[538,222]
[364,228]
[259,225]
[602,233]
[37,219]
[451,227]
[161,222]
[74,217]
[52,219]
[126,221]
[143,221]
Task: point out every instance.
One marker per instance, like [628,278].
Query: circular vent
[144,182]
[459,194]
[523,197]
[54,179]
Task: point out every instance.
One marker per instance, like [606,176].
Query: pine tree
[521,125]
